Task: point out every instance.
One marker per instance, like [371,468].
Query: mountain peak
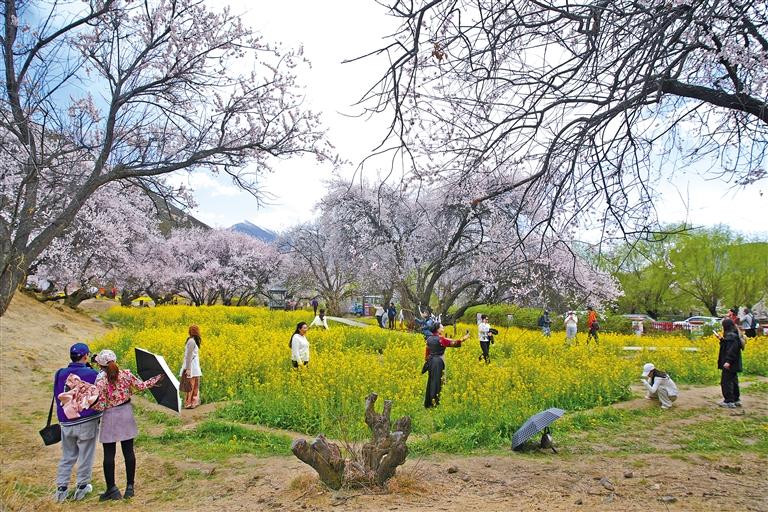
[251,229]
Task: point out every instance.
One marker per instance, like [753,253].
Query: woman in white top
[659,385]
[320,320]
[571,325]
[190,367]
[299,345]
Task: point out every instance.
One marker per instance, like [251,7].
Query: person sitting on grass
[659,385]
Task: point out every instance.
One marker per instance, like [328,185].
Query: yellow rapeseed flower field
[246,360]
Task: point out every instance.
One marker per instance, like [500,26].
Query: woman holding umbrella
[115,388]
[190,368]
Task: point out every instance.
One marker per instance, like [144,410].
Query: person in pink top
[115,388]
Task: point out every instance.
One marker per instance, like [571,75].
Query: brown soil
[34,339]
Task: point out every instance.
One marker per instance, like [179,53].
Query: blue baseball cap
[79,350]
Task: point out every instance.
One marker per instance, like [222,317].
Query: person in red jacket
[435,362]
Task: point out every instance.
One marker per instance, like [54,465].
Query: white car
[697,321]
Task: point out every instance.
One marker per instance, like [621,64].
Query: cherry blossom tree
[102,245]
[440,250]
[212,265]
[114,90]
[321,259]
[577,107]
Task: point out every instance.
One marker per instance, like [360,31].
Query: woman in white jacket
[190,367]
[300,345]
[659,385]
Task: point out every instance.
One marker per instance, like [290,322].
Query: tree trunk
[10,279]
[74,299]
[380,456]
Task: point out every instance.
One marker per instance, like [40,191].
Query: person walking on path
[729,362]
[391,313]
[299,345]
[401,319]
[659,385]
[315,304]
[545,323]
[379,314]
[115,387]
[484,333]
[571,323]
[434,363]
[320,320]
[748,324]
[78,435]
[190,367]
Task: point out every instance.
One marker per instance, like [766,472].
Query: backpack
[541,321]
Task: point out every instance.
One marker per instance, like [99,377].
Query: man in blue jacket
[79,435]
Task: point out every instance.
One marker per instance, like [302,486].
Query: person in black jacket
[729,361]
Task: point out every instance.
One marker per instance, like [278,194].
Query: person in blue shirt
[391,314]
[78,435]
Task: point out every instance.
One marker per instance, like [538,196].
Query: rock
[607,484]
[60,327]
[466,478]
[579,501]
[453,469]
[656,487]
[628,474]
[667,499]
[609,498]
[487,464]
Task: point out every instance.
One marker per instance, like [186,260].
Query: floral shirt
[113,395]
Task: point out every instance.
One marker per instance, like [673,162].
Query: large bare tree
[117,90]
[581,106]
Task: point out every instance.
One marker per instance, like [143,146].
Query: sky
[331,32]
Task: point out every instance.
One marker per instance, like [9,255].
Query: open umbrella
[535,424]
[166,392]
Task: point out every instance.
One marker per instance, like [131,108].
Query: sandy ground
[34,339]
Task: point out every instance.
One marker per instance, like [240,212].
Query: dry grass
[408,482]
[307,483]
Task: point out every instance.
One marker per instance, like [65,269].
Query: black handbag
[51,434]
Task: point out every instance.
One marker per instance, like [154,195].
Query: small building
[277,298]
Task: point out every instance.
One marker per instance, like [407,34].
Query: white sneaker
[62,493]
[727,405]
[82,491]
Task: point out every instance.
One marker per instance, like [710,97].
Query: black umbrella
[535,424]
[166,392]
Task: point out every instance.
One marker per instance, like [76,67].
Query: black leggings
[109,462]
[485,346]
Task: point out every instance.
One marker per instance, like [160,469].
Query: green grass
[727,433]
[156,417]
[217,440]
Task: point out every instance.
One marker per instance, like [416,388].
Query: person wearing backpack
[748,323]
[729,362]
[545,323]
[78,435]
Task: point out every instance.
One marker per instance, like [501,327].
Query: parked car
[696,321]
[637,317]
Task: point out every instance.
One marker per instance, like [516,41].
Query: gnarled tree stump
[380,456]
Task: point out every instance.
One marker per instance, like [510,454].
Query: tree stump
[380,456]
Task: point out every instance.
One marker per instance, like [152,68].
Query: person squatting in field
[659,385]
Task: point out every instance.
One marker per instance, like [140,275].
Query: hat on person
[79,350]
[648,368]
[105,357]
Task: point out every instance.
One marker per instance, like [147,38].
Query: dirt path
[34,339]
